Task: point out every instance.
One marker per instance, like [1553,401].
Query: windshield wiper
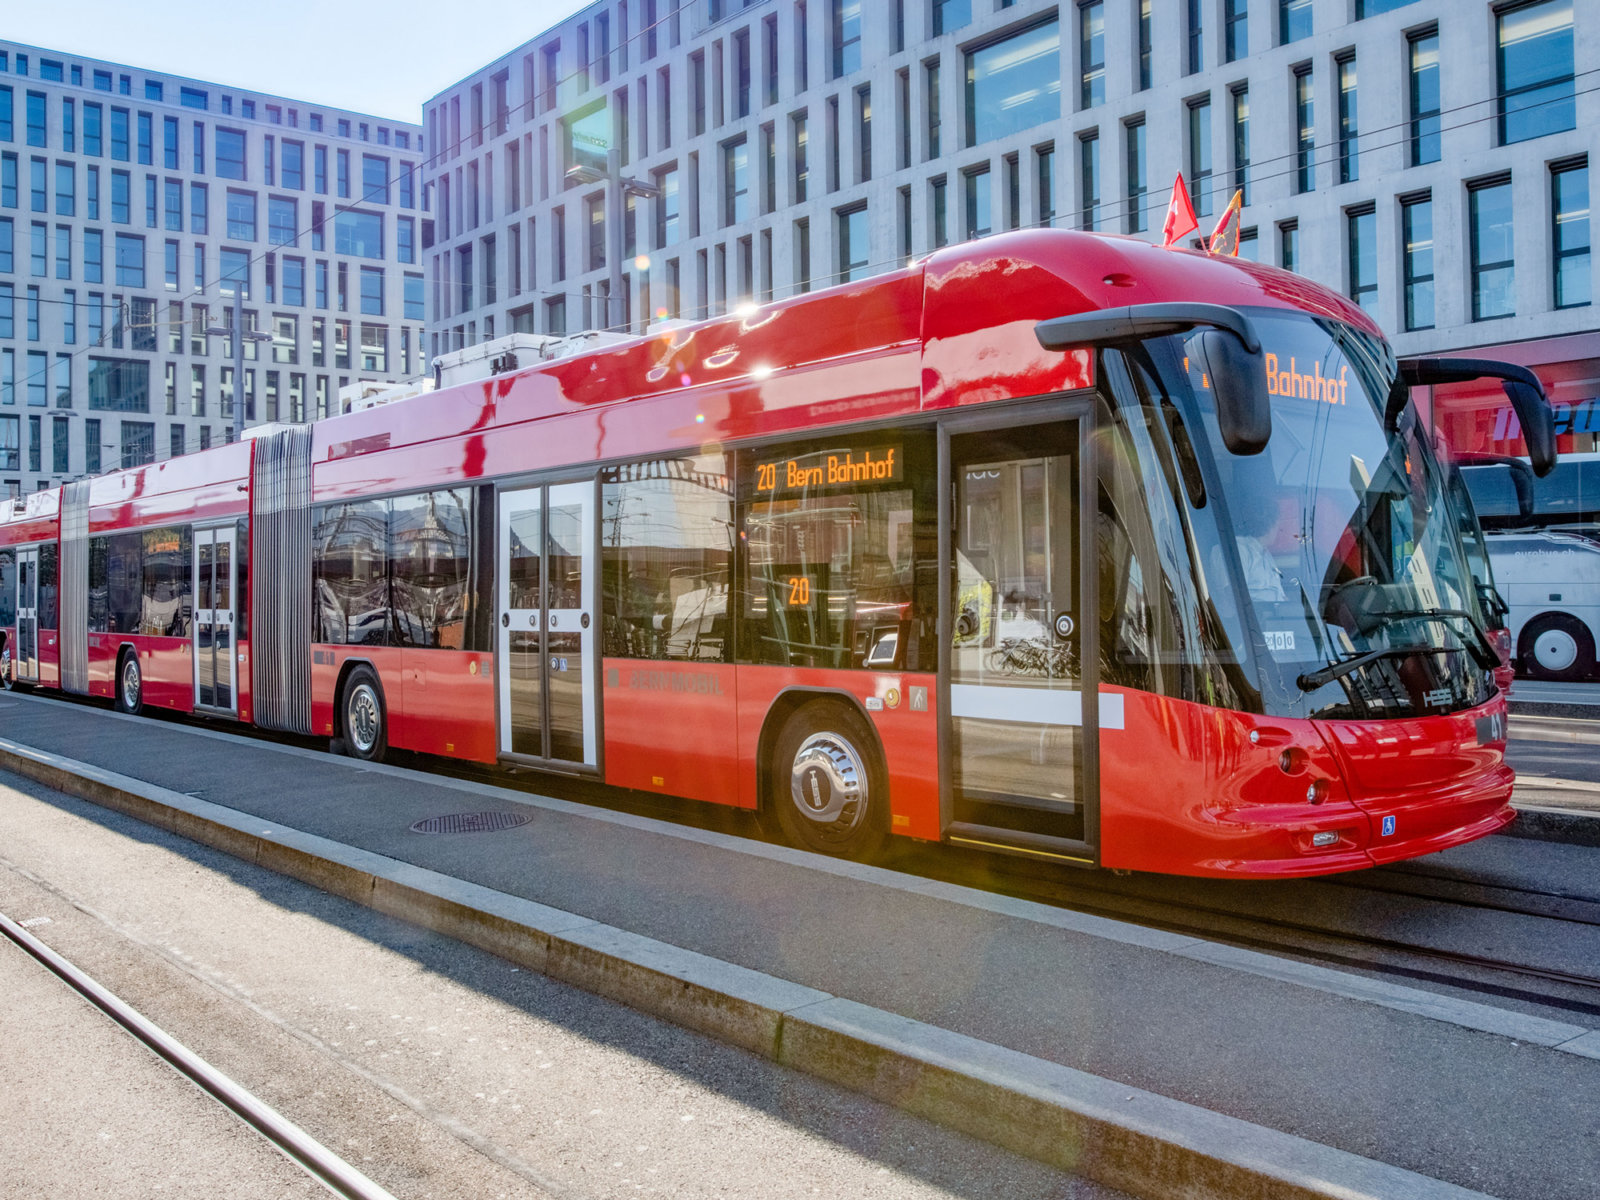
[1480,647]
[1312,680]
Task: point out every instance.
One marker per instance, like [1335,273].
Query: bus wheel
[130,683]
[366,724]
[1557,646]
[827,791]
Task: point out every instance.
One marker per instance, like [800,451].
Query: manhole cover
[478,822]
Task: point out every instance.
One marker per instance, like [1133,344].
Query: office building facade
[1428,158]
[134,205]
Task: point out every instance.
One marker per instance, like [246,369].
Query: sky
[384,58]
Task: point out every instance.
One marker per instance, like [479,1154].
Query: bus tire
[363,717]
[1557,646]
[130,683]
[827,788]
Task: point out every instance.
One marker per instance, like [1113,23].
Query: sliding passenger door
[1018,671]
[548,590]
[27,652]
[216,683]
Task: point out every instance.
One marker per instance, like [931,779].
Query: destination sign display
[830,469]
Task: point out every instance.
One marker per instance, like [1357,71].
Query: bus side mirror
[1522,388]
[1538,424]
[1239,383]
[1232,350]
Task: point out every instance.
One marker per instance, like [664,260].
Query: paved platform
[1158,1063]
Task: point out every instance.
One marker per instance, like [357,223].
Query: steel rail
[295,1143]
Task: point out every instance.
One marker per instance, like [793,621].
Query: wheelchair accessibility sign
[1388,826]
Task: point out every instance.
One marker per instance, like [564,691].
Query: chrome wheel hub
[130,682]
[828,782]
[364,720]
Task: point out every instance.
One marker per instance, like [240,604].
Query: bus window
[99,551]
[350,572]
[1170,621]
[430,560]
[8,588]
[166,598]
[124,582]
[833,577]
[49,589]
[667,545]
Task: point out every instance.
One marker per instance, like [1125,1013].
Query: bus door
[27,652]
[548,588]
[216,672]
[1020,736]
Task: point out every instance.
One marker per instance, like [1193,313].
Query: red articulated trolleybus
[1050,543]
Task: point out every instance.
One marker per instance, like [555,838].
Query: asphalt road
[1560,760]
[438,1070]
[1537,691]
[112,1112]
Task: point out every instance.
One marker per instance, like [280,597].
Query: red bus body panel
[1183,787]
[1185,791]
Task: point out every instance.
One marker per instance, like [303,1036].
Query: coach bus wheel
[130,684]
[827,791]
[1558,646]
[366,726]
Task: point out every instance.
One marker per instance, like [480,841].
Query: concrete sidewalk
[1158,1063]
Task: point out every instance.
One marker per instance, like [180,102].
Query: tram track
[311,1156]
[1330,946]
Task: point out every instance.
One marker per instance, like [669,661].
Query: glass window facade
[1535,74]
[1200,156]
[1091,54]
[1294,20]
[1416,230]
[358,233]
[1014,84]
[1305,131]
[1493,294]
[230,155]
[1569,219]
[1425,122]
[1349,156]
[1361,228]
[854,244]
[1135,166]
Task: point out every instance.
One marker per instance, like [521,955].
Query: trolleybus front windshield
[1347,552]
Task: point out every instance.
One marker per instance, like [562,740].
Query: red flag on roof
[1180,214]
[1225,237]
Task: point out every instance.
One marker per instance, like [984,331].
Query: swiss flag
[1180,214]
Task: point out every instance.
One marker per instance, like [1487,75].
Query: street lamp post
[618,186]
[241,413]
[614,236]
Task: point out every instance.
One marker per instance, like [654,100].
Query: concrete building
[133,204]
[1429,158]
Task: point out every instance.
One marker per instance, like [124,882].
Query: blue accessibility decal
[1388,827]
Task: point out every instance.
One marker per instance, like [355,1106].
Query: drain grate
[478,822]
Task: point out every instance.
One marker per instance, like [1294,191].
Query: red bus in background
[1019,547]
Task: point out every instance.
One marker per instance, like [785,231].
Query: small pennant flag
[1225,237]
[1180,214]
